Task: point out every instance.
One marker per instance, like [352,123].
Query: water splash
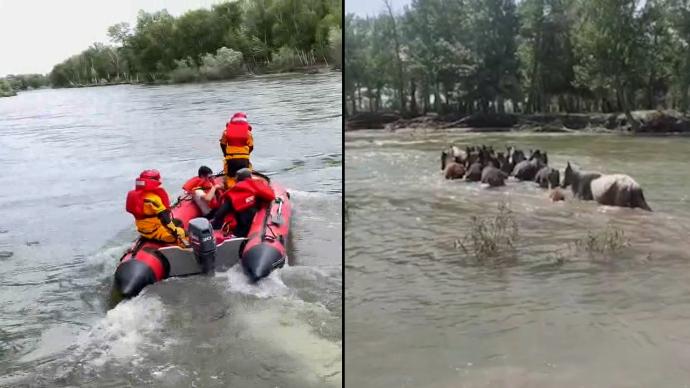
[299,194]
[123,331]
[269,287]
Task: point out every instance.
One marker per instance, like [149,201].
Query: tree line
[11,84]
[230,39]
[523,56]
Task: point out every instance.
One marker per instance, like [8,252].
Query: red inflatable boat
[264,248]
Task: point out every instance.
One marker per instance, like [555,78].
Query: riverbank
[654,122]
[301,70]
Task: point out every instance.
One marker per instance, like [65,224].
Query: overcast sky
[370,7]
[37,34]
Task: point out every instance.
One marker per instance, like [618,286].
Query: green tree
[210,43]
[609,42]
[679,11]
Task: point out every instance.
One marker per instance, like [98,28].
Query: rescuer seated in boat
[204,191]
[150,205]
[241,202]
[237,144]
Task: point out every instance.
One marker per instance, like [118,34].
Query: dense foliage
[525,56]
[5,89]
[229,39]
[11,84]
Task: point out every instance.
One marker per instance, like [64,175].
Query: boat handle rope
[278,221]
[186,197]
[265,224]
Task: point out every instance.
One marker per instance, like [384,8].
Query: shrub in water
[491,237]
[610,240]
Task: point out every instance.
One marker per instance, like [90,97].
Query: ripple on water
[417,307]
[60,287]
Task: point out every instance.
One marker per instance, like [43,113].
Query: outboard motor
[203,243]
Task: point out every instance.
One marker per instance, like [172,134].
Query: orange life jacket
[197,183]
[147,202]
[135,198]
[238,140]
[248,192]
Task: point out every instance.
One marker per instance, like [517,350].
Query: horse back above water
[607,189]
[619,190]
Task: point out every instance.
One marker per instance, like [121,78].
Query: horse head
[471,158]
[568,176]
[517,157]
[554,177]
[492,161]
[448,156]
[534,155]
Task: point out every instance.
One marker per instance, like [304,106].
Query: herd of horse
[483,164]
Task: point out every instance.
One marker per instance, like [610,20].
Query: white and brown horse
[612,189]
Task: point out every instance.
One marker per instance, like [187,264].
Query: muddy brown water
[419,312]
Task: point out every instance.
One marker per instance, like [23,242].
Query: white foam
[107,257]
[382,143]
[269,287]
[120,334]
[305,272]
[309,194]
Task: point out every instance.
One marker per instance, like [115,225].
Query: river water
[68,158]
[421,313]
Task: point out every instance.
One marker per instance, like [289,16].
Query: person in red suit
[237,144]
[241,202]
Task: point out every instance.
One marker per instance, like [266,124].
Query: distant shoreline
[307,70]
[651,122]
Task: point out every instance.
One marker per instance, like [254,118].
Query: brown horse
[454,171]
[548,176]
[504,163]
[452,161]
[526,170]
[474,172]
[493,176]
[612,190]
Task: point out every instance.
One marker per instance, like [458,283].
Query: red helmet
[150,174]
[239,117]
